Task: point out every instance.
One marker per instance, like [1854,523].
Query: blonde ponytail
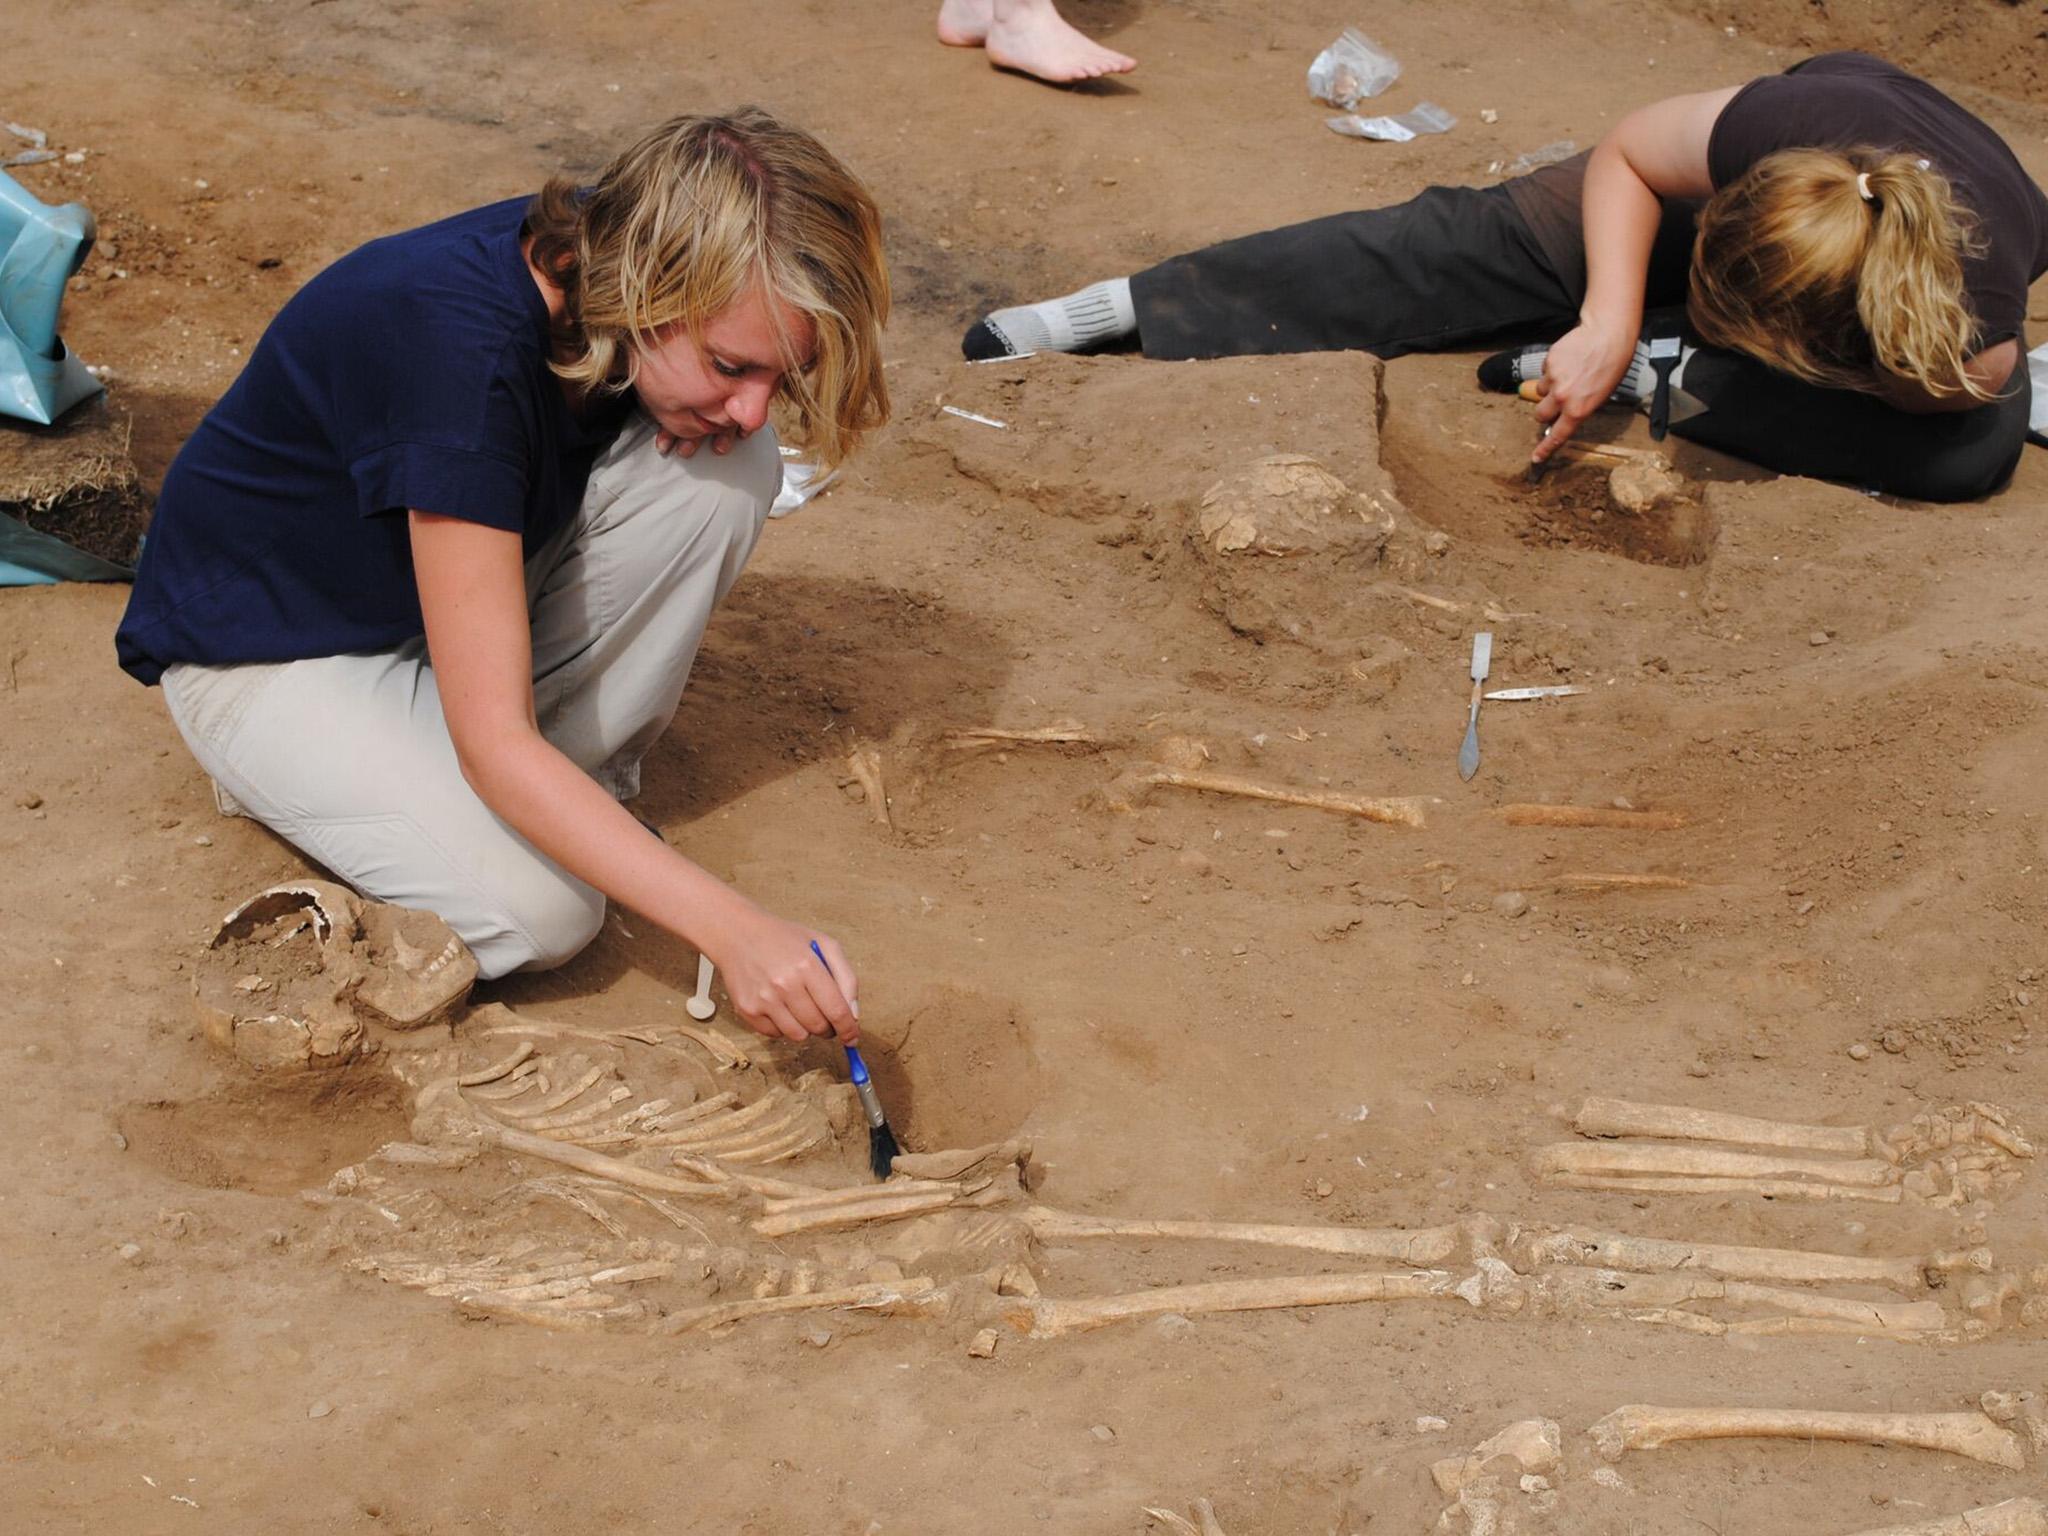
[1840,267]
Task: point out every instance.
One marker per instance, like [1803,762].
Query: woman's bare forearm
[1621,215]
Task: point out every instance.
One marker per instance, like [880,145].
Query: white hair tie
[1863,187]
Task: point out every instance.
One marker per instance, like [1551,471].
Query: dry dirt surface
[1829,710]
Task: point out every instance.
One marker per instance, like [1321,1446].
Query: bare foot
[965,23]
[1030,36]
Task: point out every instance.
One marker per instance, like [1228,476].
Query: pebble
[202,841]
[1511,903]
[129,1253]
[817,1337]
[120,1142]
[983,1344]
[320,1410]
[1894,1043]
[1173,1325]
[1103,1433]
[1699,1068]
[1430,1424]
[1325,1189]
[1819,637]
[29,800]
[33,1052]
[1859,1052]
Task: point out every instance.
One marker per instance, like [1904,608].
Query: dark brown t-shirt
[1843,100]
[1836,100]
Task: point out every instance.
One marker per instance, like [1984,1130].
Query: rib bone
[496,1069]
[598,1165]
[1641,1427]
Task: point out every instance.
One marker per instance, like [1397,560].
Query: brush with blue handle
[882,1148]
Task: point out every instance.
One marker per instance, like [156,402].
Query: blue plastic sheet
[40,247]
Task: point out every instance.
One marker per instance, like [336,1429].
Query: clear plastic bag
[1423,117]
[1351,69]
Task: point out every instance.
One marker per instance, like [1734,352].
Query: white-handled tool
[1482,659]
[700,1007]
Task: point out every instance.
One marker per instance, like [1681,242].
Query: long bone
[892,1208]
[1616,1250]
[865,764]
[583,1160]
[1424,1246]
[1046,1318]
[1574,1287]
[1677,1122]
[2015,1517]
[1390,810]
[917,1294]
[1619,882]
[1611,1158]
[1642,1427]
[1058,734]
[1764,1189]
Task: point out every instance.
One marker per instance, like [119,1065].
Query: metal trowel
[1482,659]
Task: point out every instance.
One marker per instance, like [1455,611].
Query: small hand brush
[882,1148]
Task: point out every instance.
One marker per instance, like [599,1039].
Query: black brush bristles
[882,1149]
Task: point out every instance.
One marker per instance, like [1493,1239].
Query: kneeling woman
[1852,250]
[428,581]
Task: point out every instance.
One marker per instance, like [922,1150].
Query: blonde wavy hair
[696,216]
[1796,267]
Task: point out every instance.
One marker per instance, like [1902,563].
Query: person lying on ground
[1851,250]
[1031,37]
[427,582]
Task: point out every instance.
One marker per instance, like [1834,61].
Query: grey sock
[1096,314]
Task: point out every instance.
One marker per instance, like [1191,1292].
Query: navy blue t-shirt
[411,373]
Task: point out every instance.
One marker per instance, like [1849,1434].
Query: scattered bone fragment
[1203,1524]
[1608,816]
[1642,1427]
[1535,1445]
[1423,1246]
[1047,1318]
[983,1345]
[864,762]
[2015,1517]
[1677,1122]
[727,1054]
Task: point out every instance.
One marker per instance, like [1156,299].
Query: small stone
[1325,1189]
[120,1142]
[983,1344]
[34,1052]
[202,841]
[1195,863]
[1430,1424]
[1531,1483]
[1699,1068]
[1607,1477]
[1488,115]
[1103,1433]
[320,1410]
[1859,1052]
[129,1253]
[817,1336]
[1511,903]
[1819,637]
[276,1237]
[29,800]
[1173,1325]
[1894,1043]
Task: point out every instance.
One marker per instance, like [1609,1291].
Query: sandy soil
[1197,1007]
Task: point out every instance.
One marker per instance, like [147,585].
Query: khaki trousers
[348,757]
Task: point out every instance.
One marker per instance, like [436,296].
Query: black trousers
[1460,267]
